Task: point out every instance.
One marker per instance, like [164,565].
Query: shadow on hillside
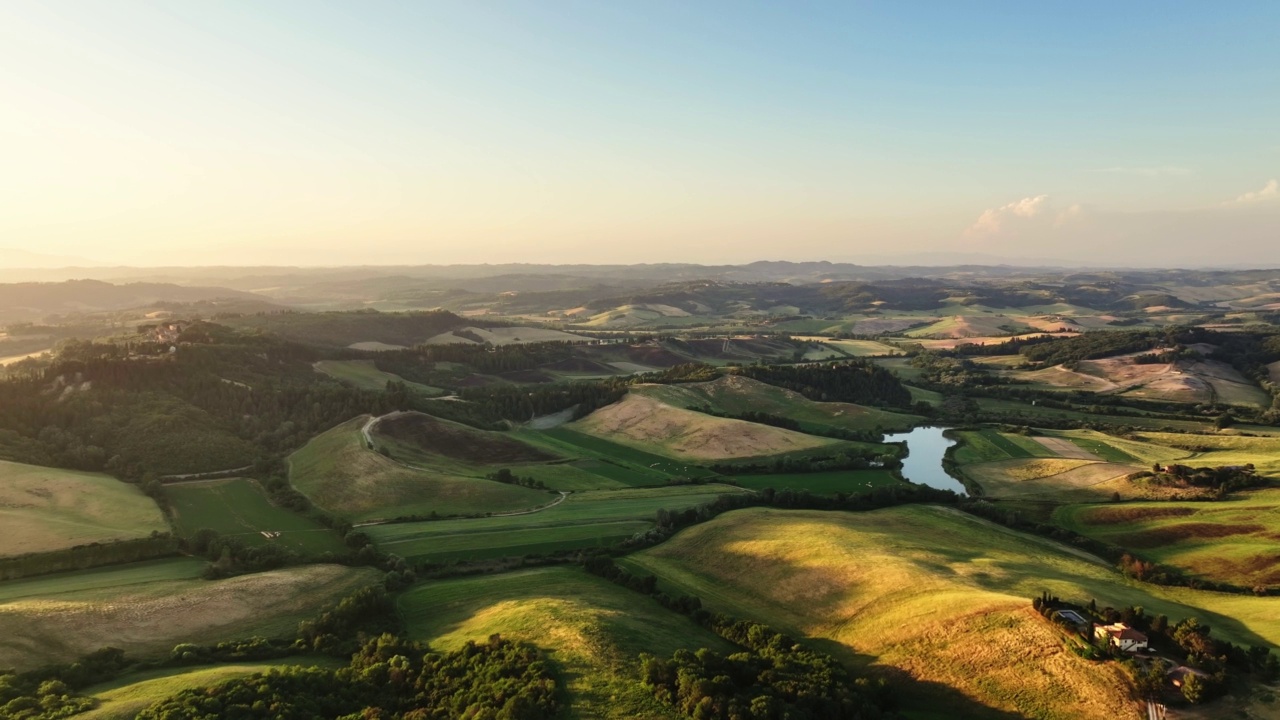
[918,698]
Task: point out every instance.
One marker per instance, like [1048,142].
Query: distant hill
[27,302]
[14,258]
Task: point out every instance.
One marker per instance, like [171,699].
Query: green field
[124,697]
[977,446]
[862,348]
[822,483]
[112,578]
[238,508]
[612,461]
[591,629]
[147,608]
[1232,540]
[1225,449]
[366,376]
[735,395]
[44,509]
[343,477]
[936,595]
[584,519]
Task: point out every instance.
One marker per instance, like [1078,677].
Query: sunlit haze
[306,133]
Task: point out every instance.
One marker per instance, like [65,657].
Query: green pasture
[592,630]
[365,375]
[239,508]
[583,520]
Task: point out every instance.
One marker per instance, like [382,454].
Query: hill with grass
[1232,541]
[44,509]
[736,395]
[652,425]
[592,630]
[343,329]
[934,595]
[150,607]
[341,475]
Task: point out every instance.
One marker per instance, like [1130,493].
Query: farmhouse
[1121,636]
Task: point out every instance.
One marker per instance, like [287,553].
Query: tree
[1194,688]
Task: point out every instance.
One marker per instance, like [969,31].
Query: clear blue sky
[302,132]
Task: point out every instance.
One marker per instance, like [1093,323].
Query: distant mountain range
[14,258]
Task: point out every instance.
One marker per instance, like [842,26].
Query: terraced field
[148,608]
[1232,540]
[588,519]
[735,395]
[343,477]
[239,508]
[937,596]
[591,629]
[44,509]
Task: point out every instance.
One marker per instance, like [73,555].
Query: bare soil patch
[1159,537]
[1065,448]
[640,420]
[1120,515]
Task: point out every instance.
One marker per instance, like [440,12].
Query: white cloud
[1160,171]
[991,221]
[1068,215]
[1270,191]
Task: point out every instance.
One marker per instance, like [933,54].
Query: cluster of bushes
[775,678]
[506,476]
[82,557]
[1223,479]
[847,460]
[387,677]
[940,369]
[48,693]
[851,381]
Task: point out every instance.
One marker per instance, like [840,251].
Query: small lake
[923,464]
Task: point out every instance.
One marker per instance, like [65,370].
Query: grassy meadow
[152,607]
[936,595]
[239,508]
[1233,540]
[343,477]
[587,519]
[366,376]
[591,629]
[44,509]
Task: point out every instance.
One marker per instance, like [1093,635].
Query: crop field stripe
[1010,448]
[115,576]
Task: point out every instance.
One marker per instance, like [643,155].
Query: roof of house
[1120,631]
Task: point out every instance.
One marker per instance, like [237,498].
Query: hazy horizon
[307,134]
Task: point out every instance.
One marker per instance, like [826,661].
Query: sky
[311,133]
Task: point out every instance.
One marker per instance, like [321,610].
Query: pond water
[923,464]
